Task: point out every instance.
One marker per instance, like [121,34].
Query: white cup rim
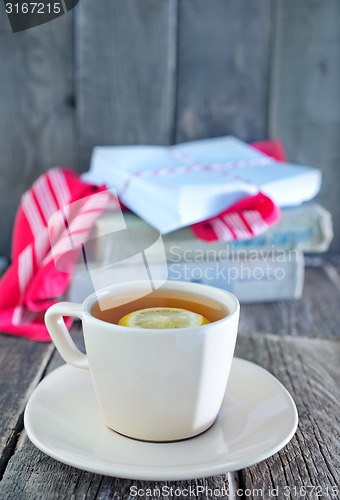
[212,292]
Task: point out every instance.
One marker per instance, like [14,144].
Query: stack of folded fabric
[231,214]
[174,187]
[208,199]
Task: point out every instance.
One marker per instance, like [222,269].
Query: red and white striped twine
[191,165]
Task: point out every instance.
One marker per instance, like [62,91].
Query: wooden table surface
[298,342]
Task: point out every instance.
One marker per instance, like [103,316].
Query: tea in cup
[159,361]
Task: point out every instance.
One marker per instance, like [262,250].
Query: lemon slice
[162,317]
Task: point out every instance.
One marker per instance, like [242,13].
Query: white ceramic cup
[152,384]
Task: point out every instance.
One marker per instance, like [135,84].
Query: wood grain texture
[305,91]
[223,69]
[125,73]
[31,474]
[36,118]
[310,370]
[316,314]
[332,269]
[22,365]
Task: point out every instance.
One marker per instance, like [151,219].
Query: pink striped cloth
[244,220]
[33,283]
[248,217]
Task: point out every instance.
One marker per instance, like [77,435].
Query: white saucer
[258,417]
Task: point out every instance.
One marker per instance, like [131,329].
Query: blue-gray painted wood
[125,72]
[145,71]
[305,91]
[36,117]
[223,69]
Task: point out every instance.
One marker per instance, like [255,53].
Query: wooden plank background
[308,368]
[144,71]
[304,105]
[223,69]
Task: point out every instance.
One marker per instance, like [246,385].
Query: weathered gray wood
[223,58]
[32,475]
[305,91]
[125,73]
[316,314]
[310,370]
[131,88]
[22,365]
[36,117]
[332,269]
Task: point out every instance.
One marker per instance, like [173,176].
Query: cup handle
[60,335]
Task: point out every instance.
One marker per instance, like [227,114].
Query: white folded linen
[173,187]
